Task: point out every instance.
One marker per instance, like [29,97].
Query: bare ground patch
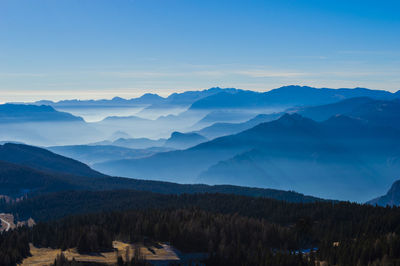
[46,256]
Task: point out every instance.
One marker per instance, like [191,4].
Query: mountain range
[30,171]
[327,142]
[190,111]
[127,148]
[379,112]
[332,159]
[286,97]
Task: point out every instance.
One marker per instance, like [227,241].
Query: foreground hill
[31,170]
[17,180]
[44,160]
[53,206]
[337,158]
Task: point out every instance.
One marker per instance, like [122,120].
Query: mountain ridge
[17,180]
[391,198]
[288,143]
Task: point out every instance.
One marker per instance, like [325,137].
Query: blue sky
[58,49]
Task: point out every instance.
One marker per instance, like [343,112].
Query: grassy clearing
[46,256]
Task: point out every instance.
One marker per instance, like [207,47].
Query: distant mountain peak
[392,197]
[292,119]
[117,98]
[184,140]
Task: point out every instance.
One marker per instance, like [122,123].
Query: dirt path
[8,224]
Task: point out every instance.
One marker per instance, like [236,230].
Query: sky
[64,49]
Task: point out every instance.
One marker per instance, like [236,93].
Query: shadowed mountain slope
[18,179]
[391,198]
[44,160]
[292,152]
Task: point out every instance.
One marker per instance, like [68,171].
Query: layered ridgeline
[229,106]
[224,129]
[228,98]
[42,125]
[151,116]
[27,170]
[287,96]
[120,148]
[91,154]
[149,100]
[379,112]
[351,156]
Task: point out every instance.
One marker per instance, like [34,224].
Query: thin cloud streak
[21,75]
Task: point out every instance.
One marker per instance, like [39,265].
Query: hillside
[54,206]
[292,152]
[17,180]
[44,160]
[39,171]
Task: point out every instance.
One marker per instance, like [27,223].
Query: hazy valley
[226,152]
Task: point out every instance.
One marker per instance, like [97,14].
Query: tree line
[230,229]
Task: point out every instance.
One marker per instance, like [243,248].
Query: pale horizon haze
[85,49]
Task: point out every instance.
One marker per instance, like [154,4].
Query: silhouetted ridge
[392,197]
[184,140]
[44,160]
